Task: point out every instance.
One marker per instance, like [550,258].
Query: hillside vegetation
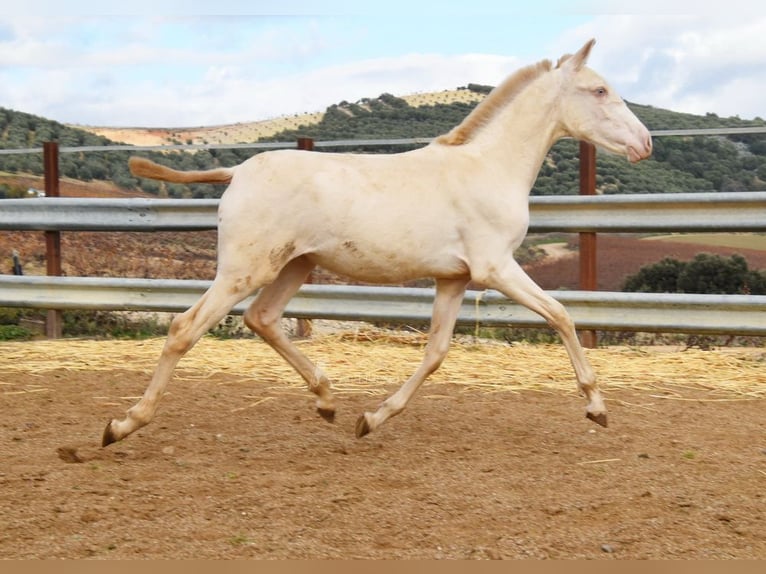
[679,164]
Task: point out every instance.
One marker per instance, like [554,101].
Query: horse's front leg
[512,281]
[449,296]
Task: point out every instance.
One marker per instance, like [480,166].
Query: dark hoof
[362,428]
[108,437]
[599,419]
[327,414]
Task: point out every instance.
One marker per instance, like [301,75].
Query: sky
[184,63]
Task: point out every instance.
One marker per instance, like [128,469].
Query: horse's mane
[498,98]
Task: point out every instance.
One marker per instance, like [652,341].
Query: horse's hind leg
[449,296]
[263,316]
[185,331]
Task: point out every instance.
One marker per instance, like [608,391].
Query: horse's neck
[520,136]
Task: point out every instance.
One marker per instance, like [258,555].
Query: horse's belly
[389,267]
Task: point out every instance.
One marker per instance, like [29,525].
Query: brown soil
[74,188]
[240,468]
[159,255]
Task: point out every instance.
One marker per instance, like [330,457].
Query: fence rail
[741,211]
[660,312]
[347,142]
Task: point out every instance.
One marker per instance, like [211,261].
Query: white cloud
[228,95]
[695,64]
[170,71]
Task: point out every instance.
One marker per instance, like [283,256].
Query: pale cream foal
[454,210]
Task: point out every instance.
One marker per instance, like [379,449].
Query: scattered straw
[603,460]
[376,362]
[251,405]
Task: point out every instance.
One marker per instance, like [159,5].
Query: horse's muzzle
[642,151]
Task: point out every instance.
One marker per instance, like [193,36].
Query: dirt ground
[238,465]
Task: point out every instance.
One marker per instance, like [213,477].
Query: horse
[453,210]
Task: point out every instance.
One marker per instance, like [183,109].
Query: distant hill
[223,134]
[254,131]
[734,163]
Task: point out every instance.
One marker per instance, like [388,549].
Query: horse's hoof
[599,419]
[362,426]
[108,437]
[327,414]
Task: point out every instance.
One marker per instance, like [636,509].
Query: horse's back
[350,213]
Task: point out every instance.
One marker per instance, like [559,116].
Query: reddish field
[74,188]
[161,255]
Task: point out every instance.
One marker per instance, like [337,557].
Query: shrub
[14,333]
[705,273]
[661,277]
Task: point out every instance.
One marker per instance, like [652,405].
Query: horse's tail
[142,167]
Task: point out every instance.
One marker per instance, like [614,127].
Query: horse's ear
[576,62]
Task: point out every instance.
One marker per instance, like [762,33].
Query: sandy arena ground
[493,459]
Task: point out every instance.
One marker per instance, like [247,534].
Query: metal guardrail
[663,312]
[100,214]
[712,314]
[347,142]
[741,211]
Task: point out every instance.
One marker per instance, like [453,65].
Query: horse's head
[592,111]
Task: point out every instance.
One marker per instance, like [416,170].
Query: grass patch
[240,540]
[755,241]
[14,333]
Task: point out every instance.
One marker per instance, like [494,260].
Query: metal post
[54,321]
[303,327]
[588,272]
[306,144]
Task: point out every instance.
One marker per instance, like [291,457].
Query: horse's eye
[600,92]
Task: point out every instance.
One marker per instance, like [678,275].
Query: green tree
[708,273]
[705,273]
[661,277]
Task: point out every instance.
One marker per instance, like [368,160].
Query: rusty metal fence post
[588,271]
[303,327]
[54,321]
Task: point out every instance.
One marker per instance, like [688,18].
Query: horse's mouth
[635,156]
